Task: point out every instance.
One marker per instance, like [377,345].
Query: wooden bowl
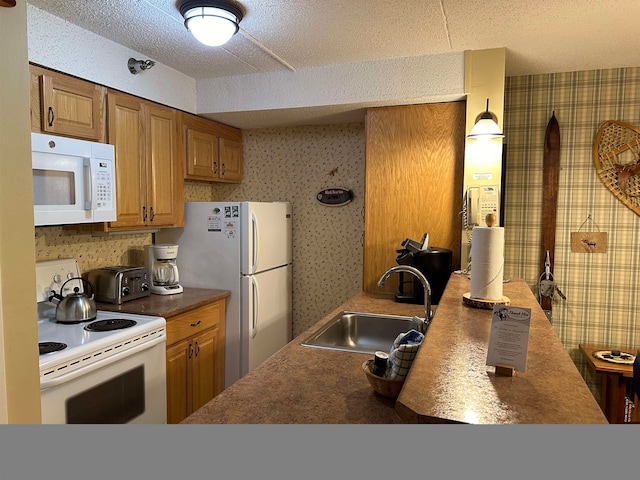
[386,388]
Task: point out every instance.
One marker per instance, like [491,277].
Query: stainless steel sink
[360,332]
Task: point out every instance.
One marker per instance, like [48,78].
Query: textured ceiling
[540,37]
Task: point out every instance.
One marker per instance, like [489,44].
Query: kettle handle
[57,296]
[83,280]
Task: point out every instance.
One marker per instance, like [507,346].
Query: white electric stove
[110,369]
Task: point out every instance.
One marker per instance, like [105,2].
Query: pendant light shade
[212,22]
[486,126]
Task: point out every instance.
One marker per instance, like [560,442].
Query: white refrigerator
[244,247]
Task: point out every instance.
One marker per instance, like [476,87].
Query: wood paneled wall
[414,175]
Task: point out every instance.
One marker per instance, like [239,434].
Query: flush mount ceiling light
[212,22]
[486,126]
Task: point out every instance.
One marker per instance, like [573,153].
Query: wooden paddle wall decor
[616,155]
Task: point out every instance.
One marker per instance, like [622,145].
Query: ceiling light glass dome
[212,22]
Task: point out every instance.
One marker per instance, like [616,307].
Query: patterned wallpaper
[288,164]
[601,288]
[293,164]
[90,251]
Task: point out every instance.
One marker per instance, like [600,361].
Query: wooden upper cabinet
[213,151]
[149,168]
[64,105]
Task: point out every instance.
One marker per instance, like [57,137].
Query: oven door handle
[48,383]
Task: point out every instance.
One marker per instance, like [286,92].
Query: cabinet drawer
[195,321]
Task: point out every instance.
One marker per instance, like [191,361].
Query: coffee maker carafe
[163,269]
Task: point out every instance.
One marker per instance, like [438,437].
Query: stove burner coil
[49,347]
[108,325]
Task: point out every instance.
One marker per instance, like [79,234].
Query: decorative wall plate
[616,155]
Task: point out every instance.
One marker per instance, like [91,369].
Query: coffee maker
[163,270]
[433,262]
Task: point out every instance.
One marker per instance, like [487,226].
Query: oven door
[125,388]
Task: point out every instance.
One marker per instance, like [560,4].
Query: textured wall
[91,251]
[74,51]
[293,164]
[601,289]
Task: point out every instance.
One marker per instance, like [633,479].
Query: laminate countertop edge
[168,305]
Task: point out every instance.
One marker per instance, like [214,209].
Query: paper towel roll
[487,262]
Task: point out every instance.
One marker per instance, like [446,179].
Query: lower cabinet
[195,359]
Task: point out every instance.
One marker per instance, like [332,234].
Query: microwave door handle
[88,184]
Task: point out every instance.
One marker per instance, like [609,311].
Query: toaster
[119,284]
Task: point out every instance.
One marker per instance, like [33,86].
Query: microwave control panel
[104,185]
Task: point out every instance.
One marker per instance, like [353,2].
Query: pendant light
[486,126]
[212,22]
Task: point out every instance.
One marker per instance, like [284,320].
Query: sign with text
[509,339]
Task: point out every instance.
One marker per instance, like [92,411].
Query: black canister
[380,361]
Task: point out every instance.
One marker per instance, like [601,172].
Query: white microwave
[74,180]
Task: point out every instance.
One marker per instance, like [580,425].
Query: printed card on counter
[509,340]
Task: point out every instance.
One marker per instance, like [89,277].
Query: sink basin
[360,332]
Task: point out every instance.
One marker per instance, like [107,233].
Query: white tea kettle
[75,307]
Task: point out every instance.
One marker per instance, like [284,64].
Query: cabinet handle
[215,168]
[144,213]
[153,214]
[224,169]
[195,324]
[52,116]
[190,351]
[197,348]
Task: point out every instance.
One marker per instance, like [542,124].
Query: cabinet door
[202,155]
[230,160]
[195,359]
[126,133]
[208,367]
[178,381]
[72,107]
[165,184]
[213,150]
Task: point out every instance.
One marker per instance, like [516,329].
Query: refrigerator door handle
[256,309]
[255,234]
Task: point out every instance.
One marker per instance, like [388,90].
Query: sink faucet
[428,313]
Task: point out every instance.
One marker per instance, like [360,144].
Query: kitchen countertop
[167,305]
[305,385]
[449,381]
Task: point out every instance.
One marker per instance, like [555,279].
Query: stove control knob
[144,287]
[125,291]
[57,278]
